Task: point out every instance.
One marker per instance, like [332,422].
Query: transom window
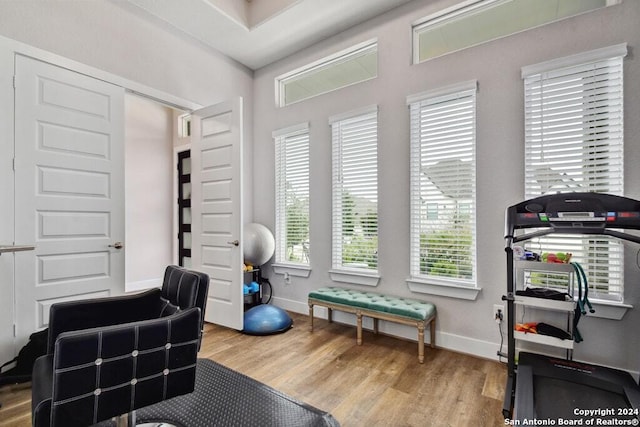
[353,65]
[473,22]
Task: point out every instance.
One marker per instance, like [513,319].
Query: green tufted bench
[377,306]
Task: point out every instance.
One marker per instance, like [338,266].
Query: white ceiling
[259,32]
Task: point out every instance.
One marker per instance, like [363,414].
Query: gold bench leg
[359,329]
[311,315]
[421,342]
[432,330]
[375,325]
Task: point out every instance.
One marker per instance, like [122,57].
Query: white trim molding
[615,51]
[451,290]
[291,269]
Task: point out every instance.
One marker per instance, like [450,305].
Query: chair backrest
[98,312]
[184,289]
[105,372]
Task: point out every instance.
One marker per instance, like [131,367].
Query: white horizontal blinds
[573,129]
[355,192]
[574,142]
[443,195]
[292,197]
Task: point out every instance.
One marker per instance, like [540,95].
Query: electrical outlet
[287,278]
[498,313]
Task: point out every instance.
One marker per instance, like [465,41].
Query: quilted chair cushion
[96,374]
[93,313]
[406,307]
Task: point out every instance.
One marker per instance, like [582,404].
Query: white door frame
[7,345]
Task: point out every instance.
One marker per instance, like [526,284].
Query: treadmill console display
[577,219]
[574,213]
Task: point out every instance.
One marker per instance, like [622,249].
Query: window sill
[445,289]
[609,309]
[292,269]
[355,277]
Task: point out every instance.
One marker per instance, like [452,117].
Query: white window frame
[546,171]
[184,125]
[298,135]
[339,123]
[336,59]
[453,98]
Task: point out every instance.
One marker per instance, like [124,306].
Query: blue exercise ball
[265,319]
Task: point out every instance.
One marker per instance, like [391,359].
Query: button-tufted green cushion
[406,307]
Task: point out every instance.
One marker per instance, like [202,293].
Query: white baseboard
[457,343]
[143,285]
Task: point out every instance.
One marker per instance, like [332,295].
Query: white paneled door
[216,208]
[69,189]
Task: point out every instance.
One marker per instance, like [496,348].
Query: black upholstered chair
[109,356]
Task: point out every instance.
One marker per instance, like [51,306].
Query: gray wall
[462,325]
[112,36]
[148,220]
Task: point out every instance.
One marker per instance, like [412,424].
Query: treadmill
[550,389]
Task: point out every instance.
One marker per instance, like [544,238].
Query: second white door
[216,208]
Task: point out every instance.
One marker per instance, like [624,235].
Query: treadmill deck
[574,392]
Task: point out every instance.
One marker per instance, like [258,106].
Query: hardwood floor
[379,383]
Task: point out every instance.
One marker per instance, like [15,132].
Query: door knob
[234,243]
[117,245]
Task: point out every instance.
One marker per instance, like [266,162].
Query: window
[292,195]
[354,65]
[355,191]
[443,196]
[478,21]
[184,125]
[574,142]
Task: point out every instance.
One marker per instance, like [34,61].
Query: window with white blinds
[292,195]
[443,184]
[355,190]
[574,143]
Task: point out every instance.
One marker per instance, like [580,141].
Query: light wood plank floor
[379,383]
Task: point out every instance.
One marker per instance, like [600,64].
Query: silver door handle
[234,243]
[117,245]
[15,248]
